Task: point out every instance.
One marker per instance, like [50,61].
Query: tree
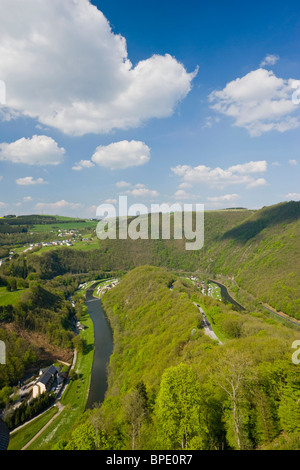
[231,373]
[83,438]
[135,411]
[178,409]
[289,407]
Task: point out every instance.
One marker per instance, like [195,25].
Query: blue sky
[188,102]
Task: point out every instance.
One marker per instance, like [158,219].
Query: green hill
[172,387]
[259,249]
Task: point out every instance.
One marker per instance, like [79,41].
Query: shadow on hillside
[286,212]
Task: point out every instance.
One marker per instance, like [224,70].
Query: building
[45,381]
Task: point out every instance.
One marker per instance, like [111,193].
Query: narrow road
[207,326]
[60,409]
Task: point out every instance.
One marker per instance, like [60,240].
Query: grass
[215,291]
[19,439]
[79,245]
[218,331]
[9,298]
[89,224]
[75,397]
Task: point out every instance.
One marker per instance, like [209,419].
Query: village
[207,288]
[70,238]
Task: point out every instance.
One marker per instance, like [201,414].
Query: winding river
[103,347]
[226,297]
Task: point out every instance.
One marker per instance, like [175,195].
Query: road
[60,409]
[207,326]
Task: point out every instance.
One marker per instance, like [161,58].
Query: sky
[164,102]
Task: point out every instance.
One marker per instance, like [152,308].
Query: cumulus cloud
[83,164]
[224,198]
[39,150]
[219,177]
[86,83]
[250,167]
[111,201]
[182,195]
[292,196]
[293,162]
[256,183]
[123,184]
[121,155]
[270,59]
[30,181]
[259,102]
[142,191]
[59,206]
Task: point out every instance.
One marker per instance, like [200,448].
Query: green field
[84,225]
[80,245]
[9,298]
[215,291]
[20,438]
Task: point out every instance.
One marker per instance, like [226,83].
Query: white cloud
[224,198]
[259,102]
[111,201]
[30,181]
[250,167]
[293,162]
[270,59]
[123,184]
[142,192]
[184,185]
[58,206]
[121,155]
[218,177]
[182,194]
[39,150]
[292,196]
[256,183]
[27,198]
[85,81]
[83,164]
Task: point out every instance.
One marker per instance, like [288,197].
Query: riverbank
[103,348]
[73,400]
[226,297]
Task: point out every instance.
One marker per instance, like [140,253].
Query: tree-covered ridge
[259,249]
[36,327]
[172,387]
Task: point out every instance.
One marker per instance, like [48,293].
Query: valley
[174,315]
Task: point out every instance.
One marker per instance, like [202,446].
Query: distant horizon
[97,218]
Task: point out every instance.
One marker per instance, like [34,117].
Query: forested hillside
[172,387]
[259,249]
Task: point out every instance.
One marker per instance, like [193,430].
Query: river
[226,297]
[103,347]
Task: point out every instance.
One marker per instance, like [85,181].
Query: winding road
[207,326]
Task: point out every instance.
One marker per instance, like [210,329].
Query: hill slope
[259,249]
